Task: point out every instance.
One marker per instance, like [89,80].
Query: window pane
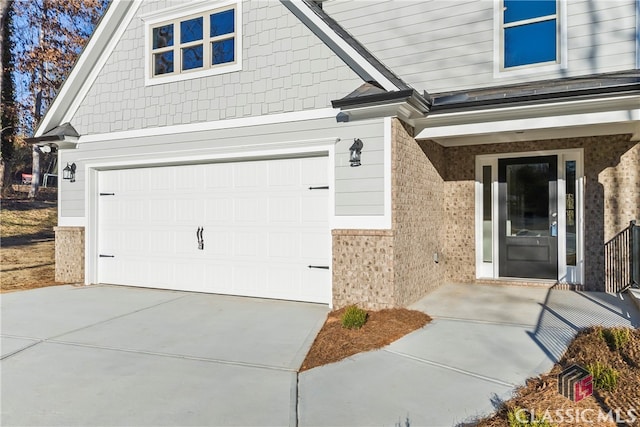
[223,23]
[192,57]
[486,215]
[528,199]
[191,30]
[530,44]
[518,10]
[570,179]
[163,63]
[163,36]
[223,51]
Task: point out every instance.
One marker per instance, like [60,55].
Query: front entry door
[528,217]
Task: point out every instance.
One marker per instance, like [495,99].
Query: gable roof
[343,44]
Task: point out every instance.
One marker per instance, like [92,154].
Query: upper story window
[186,46]
[529,33]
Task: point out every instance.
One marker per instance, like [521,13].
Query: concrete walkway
[106,355]
[484,341]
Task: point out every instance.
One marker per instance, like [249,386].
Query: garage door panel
[263,227]
[284,245]
[250,175]
[314,171]
[315,246]
[284,210]
[314,209]
[218,243]
[248,243]
[219,210]
[284,174]
[161,210]
[218,176]
[250,210]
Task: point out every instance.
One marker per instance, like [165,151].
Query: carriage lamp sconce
[69,172]
[356,152]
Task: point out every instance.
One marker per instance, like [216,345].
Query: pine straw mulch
[541,393]
[334,343]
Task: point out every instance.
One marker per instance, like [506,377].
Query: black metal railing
[622,259]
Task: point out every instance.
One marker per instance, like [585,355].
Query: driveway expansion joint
[20,350]
[172,355]
[493,322]
[451,368]
[120,316]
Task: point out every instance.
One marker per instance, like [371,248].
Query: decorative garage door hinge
[107,194]
[106,256]
[324,187]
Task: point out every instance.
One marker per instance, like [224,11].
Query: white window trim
[566,274]
[530,69]
[182,12]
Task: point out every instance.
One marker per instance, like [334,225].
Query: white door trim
[566,274]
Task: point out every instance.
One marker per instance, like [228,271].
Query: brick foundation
[69,254]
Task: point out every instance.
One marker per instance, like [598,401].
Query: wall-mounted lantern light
[69,172]
[356,152]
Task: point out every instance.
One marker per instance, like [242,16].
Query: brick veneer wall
[417,194]
[69,254]
[612,198]
[389,268]
[363,268]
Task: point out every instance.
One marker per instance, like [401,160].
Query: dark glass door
[528,217]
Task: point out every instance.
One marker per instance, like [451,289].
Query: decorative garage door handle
[324,267]
[199,232]
[324,187]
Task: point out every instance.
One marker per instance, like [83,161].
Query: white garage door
[262,227]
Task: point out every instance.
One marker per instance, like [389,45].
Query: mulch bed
[541,393]
[335,343]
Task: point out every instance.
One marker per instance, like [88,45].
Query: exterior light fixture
[356,152]
[69,172]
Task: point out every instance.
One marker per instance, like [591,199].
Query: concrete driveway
[483,342]
[107,355]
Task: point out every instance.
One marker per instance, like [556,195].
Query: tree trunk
[35,173]
[4,8]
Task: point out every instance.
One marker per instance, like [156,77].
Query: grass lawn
[27,250]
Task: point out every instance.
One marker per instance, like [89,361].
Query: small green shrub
[518,417]
[353,317]
[604,377]
[616,338]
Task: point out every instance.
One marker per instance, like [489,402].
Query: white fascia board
[214,125]
[342,44]
[563,114]
[529,124]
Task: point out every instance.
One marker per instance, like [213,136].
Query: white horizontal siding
[442,45]
[359,191]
